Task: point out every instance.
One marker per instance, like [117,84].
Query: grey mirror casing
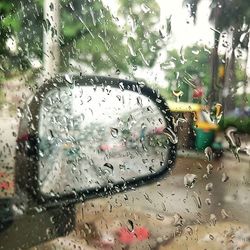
[27,173]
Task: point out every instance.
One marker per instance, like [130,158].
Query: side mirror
[93,136]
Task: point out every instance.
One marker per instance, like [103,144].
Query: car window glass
[194,55]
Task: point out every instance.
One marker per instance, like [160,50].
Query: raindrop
[208,153]
[224,214]
[189,180]
[178,220]
[171,135]
[213,219]
[224,177]
[209,187]
[118,72]
[52,219]
[211,237]
[145,8]
[109,167]
[195,52]
[131,46]
[141,84]
[139,101]
[188,230]
[216,113]
[149,108]
[247,150]
[19,112]
[178,94]
[114,132]
[208,201]
[51,6]
[197,199]
[121,86]
[209,168]
[68,78]
[160,217]
[131,225]
[233,140]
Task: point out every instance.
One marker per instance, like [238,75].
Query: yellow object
[202,118]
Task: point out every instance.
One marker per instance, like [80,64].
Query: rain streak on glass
[234,141]
[171,135]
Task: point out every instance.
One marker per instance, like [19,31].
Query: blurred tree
[142,37]
[232,16]
[90,34]
[11,59]
[188,69]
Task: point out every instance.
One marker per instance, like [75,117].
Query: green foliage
[89,32]
[182,68]
[142,38]
[242,124]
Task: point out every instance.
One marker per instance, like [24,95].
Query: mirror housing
[29,140]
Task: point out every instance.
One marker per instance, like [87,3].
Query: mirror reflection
[94,137]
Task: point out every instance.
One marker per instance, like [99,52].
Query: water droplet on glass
[141,84]
[171,135]
[208,201]
[178,220]
[213,219]
[233,140]
[68,78]
[114,132]
[197,199]
[178,94]
[109,168]
[224,214]
[209,187]
[145,8]
[118,72]
[209,153]
[247,150]
[211,237]
[188,230]
[216,113]
[19,112]
[121,86]
[189,180]
[139,101]
[224,177]
[130,225]
[131,46]
[195,52]
[160,217]
[209,168]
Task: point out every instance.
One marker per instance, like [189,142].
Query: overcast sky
[184,32]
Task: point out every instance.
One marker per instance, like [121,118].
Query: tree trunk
[214,91]
[247,64]
[51,51]
[229,86]
[213,95]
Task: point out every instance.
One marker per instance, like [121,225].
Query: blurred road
[219,197]
[218,202]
